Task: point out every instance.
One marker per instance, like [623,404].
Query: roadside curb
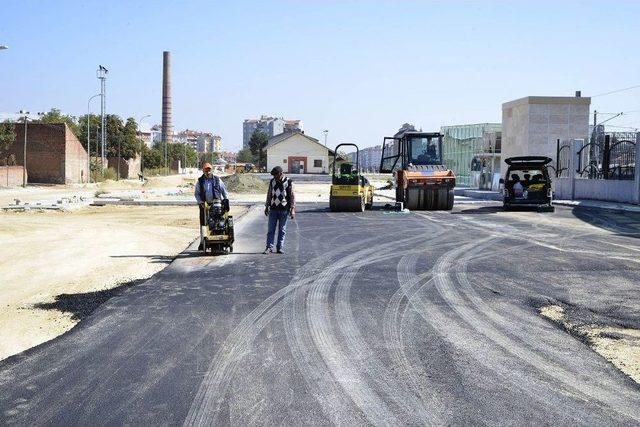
[132,202]
[479,194]
[595,204]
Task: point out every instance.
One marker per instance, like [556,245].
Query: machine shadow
[480,211]
[163,259]
[83,304]
[621,223]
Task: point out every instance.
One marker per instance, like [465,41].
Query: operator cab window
[425,151]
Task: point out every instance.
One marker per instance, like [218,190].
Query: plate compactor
[422,181]
[217,234]
[350,190]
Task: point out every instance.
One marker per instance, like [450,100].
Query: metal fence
[605,155]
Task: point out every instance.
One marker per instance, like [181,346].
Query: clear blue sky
[359,68]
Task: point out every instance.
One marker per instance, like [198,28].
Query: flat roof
[557,100]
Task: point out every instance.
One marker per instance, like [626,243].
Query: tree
[257,143]
[7,138]
[177,152]
[94,125]
[55,116]
[153,157]
[122,140]
[245,156]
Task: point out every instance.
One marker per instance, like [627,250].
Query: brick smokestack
[167,125]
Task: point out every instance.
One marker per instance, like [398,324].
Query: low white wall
[608,190]
[562,188]
[596,189]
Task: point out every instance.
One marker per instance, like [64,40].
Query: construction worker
[208,188]
[279,206]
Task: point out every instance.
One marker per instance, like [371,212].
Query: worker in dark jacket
[208,188]
[279,206]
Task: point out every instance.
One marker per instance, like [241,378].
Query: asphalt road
[374,318]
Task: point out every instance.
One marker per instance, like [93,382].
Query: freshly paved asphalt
[373,318]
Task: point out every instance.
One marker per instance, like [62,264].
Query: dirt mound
[244,183]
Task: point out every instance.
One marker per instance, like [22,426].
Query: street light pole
[142,146]
[101,73]
[89,138]
[326,131]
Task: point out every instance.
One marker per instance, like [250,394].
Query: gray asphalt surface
[375,318]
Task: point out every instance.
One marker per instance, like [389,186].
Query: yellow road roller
[350,190]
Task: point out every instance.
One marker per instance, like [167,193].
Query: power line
[616,91]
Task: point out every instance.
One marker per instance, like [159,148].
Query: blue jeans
[277,219]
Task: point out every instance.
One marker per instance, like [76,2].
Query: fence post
[558,158]
[606,157]
[636,172]
[573,157]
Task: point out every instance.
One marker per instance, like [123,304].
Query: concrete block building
[297,153]
[370,158]
[532,125]
[54,154]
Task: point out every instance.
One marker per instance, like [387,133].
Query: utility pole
[89,138]
[102,76]
[118,176]
[24,150]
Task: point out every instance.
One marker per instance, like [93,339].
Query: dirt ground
[80,252]
[620,346]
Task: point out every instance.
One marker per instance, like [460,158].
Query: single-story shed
[296,152]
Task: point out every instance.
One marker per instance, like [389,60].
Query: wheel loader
[422,181]
[350,190]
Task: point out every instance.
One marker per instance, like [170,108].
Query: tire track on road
[316,349]
[212,391]
[610,398]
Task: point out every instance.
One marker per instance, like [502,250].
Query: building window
[317,163]
[284,160]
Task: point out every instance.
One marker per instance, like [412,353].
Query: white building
[296,152]
[532,125]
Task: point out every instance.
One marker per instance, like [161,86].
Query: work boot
[268,250]
[280,251]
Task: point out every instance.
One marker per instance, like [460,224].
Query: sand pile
[244,183]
